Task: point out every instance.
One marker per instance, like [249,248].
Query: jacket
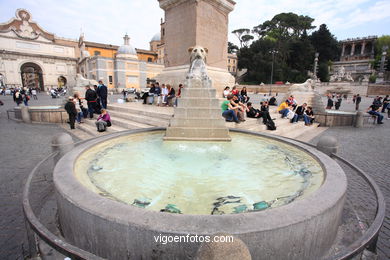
[90,95]
[70,108]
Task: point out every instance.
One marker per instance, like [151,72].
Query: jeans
[79,115]
[307,119]
[284,112]
[103,102]
[296,118]
[377,114]
[91,108]
[230,115]
[385,105]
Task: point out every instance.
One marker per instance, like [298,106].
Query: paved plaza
[24,145]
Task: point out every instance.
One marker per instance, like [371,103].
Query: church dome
[156,37]
[126,48]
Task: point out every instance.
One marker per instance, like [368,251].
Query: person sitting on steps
[299,113]
[308,117]
[229,111]
[256,113]
[103,121]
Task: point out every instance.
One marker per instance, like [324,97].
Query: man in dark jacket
[70,108]
[358,100]
[299,113]
[90,96]
[256,113]
[102,94]
[330,102]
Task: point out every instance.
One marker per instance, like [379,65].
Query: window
[97,53]
[163,31]
[150,59]
[110,79]
[229,68]
[229,61]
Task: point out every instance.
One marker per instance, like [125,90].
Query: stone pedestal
[177,75]
[198,115]
[196,22]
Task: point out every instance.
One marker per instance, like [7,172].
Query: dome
[156,37]
[126,48]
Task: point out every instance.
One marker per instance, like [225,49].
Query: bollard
[25,114]
[327,145]
[230,250]
[61,143]
[359,119]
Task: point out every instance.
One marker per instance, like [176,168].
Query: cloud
[107,21]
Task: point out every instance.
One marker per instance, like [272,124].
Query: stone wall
[374,90]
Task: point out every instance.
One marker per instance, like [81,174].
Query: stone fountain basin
[303,229]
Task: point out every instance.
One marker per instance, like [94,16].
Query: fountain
[116,194]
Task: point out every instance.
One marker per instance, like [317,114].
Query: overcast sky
[106,21]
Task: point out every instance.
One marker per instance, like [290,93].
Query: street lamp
[272,69]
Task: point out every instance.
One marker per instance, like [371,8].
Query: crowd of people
[164,95]
[23,95]
[289,109]
[96,101]
[237,105]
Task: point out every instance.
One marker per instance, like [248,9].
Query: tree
[232,48]
[325,44]
[383,43]
[246,38]
[239,33]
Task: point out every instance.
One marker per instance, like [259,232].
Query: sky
[107,21]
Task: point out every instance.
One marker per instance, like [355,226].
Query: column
[352,49]
[343,51]
[363,47]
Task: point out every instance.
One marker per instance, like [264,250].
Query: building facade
[118,66]
[356,57]
[33,57]
[232,64]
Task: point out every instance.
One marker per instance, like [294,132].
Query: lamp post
[272,69]
[315,66]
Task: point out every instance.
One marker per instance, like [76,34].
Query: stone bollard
[61,143]
[230,250]
[328,145]
[25,114]
[359,119]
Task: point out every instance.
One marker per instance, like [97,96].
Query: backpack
[270,125]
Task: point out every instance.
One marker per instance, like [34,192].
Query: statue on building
[341,75]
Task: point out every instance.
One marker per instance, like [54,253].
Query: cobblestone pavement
[24,145]
[369,149]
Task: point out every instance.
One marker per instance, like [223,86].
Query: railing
[32,205]
[40,178]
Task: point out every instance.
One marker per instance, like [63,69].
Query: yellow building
[118,66]
[232,63]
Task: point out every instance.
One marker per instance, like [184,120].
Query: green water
[250,173]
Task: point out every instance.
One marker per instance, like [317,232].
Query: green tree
[325,44]
[323,72]
[239,33]
[382,44]
[232,48]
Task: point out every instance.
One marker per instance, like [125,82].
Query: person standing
[338,102]
[386,102]
[178,95]
[18,98]
[357,101]
[70,108]
[90,96]
[34,94]
[102,94]
[329,105]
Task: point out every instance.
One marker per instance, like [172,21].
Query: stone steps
[177,133]
[143,116]
[136,120]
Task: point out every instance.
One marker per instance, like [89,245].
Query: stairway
[135,115]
